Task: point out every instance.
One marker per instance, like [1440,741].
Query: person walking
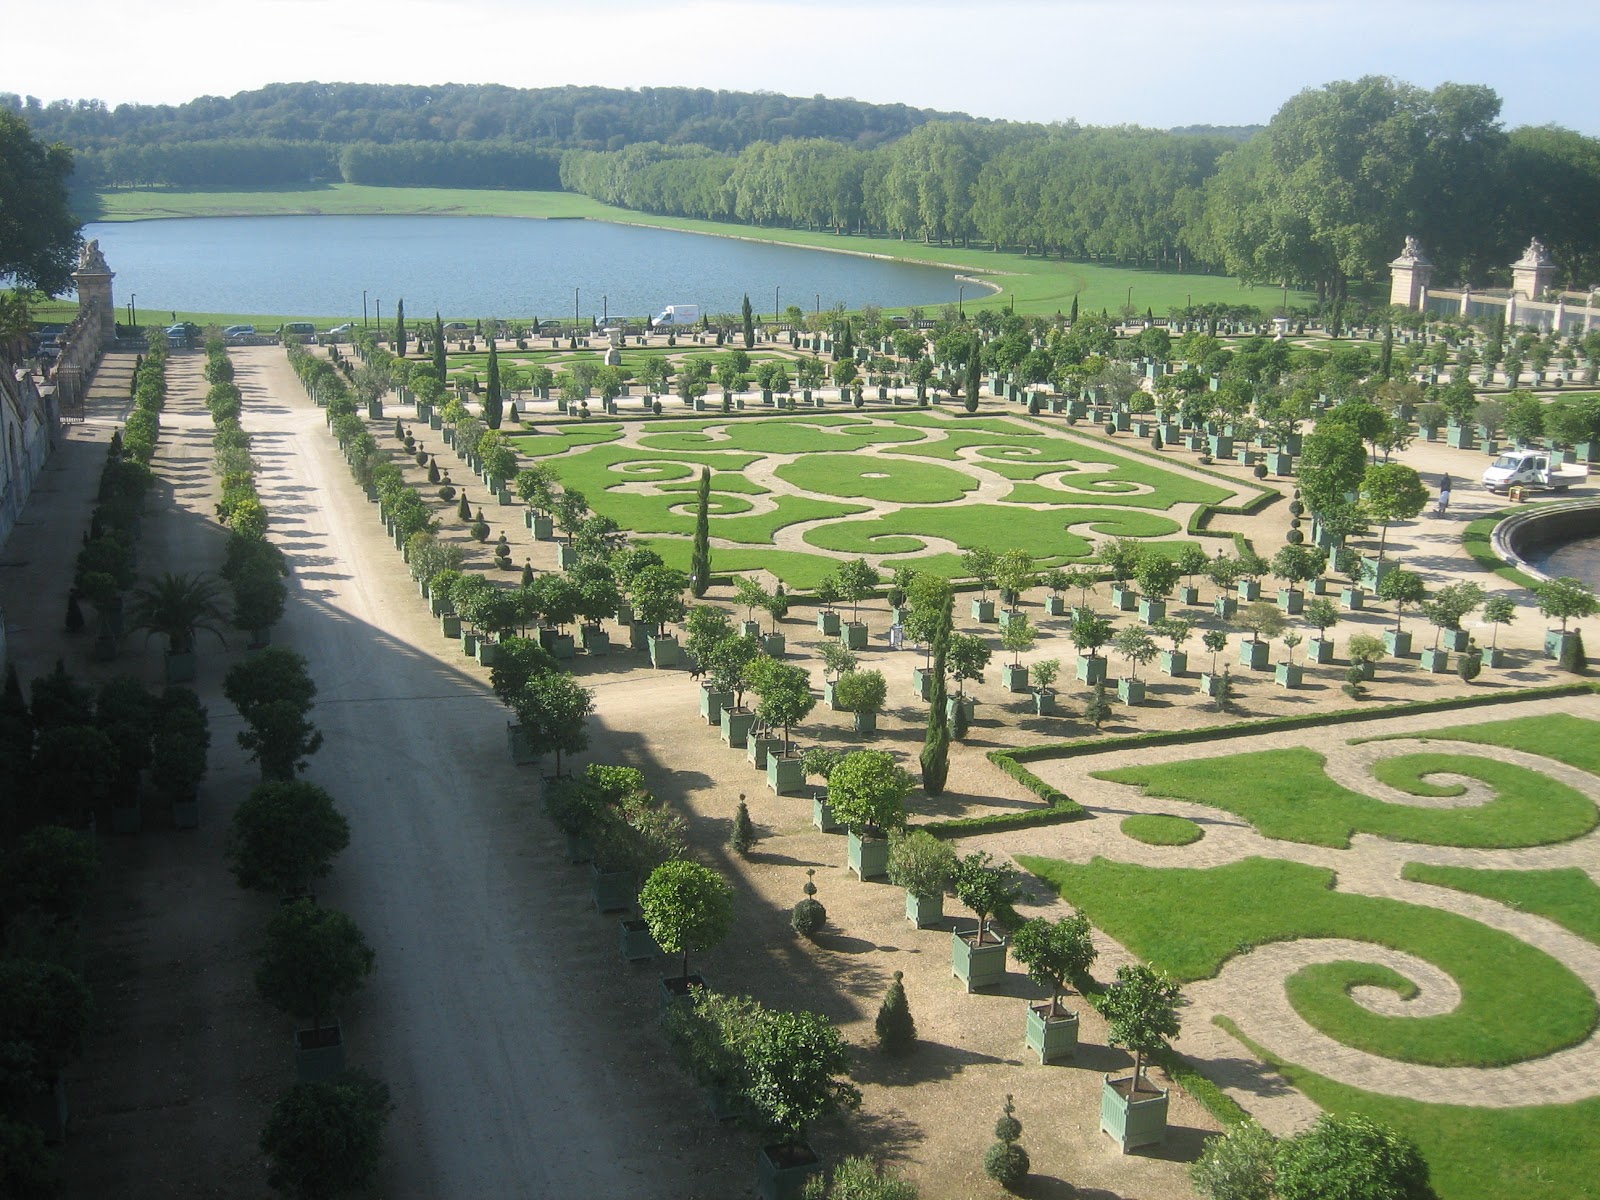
[1444,495]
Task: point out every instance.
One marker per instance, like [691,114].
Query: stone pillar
[95,305]
[1409,276]
[1531,274]
[1466,302]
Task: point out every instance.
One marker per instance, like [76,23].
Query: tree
[551,709]
[974,373]
[1054,952]
[700,556]
[968,655]
[985,887]
[1402,588]
[441,359]
[400,328]
[493,410]
[1263,620]
[867,791]
[785,692]
[747,319]
[1089,632]
[856,581]
[1498,611]
[1018,637]
[1006,1162]
[935,758]
[177,606]
[38,252]
[1566,598]
[1015,574]
[45,1009]
[1297,564]
[283,836]
[1332,466]
[688,908]
[1350,1158]
[1136,645]
[1392,492]
[326,1139]
[1141,1009]
[310,959]
[1237,1164]
[657,595]
[792,1063]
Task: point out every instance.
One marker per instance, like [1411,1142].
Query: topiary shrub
[1573,658]
[1005,1162]
[1260,470]
[808,917]
[743,835]
[897,1031]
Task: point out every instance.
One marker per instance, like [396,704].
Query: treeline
[1323,197]
[590,118]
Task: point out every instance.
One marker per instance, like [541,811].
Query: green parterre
[921,487]
[1518,1003]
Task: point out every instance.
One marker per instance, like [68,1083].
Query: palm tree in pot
[179,606]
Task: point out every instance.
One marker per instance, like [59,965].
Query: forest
[1321,197]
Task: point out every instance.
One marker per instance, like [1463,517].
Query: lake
[470,267]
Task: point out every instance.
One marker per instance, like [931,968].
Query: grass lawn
[1566,896]
[867,477]
[1162,829]
[1286,794]
[1042,534]
[1189,922]
[1544,1153]
[1033,285]
[1570,740]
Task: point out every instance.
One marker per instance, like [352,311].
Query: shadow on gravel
[930,1062]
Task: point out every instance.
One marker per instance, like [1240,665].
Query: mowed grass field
[1032,285]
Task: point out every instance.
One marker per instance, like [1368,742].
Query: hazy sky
[1155,62]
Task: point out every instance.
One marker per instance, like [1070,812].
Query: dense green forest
[1321,197]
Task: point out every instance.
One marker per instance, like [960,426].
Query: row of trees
[1323,197]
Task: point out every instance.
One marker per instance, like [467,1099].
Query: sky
[1159,63]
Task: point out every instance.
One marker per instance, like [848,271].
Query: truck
[676,316]
[1531,469]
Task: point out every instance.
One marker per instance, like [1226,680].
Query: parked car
[344,330]
[239,331]
[457,327]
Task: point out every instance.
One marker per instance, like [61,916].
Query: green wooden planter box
[1189,595]
[1210,685]
[822,813]
[665,652]
[1050,1037]
[566,557]
[966,703]
[1494,658]
[785,776]
[830,695]
[517,743]
[612,891]
[1152,610]
[1254,655]
[868,857]
[1354,599]
[1174,663]
[759,749]
[677,989]
[1225,607]
[1555,642]
[1130,691]
[1124,598]
[712,703]
[983,611]
[1091,670]
[1044,703]
[639,636]
[1015,679]
[544,529]
[1288,675]
[594,640]
[924,911]
[634,942]
[487,652]
[922,682]
[1131,1124]
[854,635]
[450,625]
[773,645]
[179,667]
[750,629]
[1435,662]
[1455,639]
[1055,606]
[865,722]
[624,614]
[469,644]
[1397,644]
[579,849]
[735,723]
[977,966]
[318,1053]
[1008,617]
[782,1171]
[1248,590]
[828,623]
[1291,601]
[1320,651]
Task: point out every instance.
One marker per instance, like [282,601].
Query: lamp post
[819,304]
[961,299]
[377,318]
[574,314]
[133,311]
[1130,295]
[363,308]
[605,308]
[775,310]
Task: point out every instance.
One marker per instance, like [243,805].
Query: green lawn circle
[1162,829]
[869,477]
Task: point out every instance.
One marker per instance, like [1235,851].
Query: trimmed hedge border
[1059,807]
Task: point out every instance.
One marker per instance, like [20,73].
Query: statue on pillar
[1409,276]
[91,260]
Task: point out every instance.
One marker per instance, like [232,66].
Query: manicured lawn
[1042,534]
[1189,922]
[1544,1153]
[1161,829]
[1567,896]
[1570,740]
[790,435]
[1286,794]
[542,445]
[866,477]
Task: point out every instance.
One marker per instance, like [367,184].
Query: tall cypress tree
[1073,318]
[1386,355]
[491,397]
[974,369]
[749,323]
[936,745]
[400,328]
[700,558]
[440,363]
